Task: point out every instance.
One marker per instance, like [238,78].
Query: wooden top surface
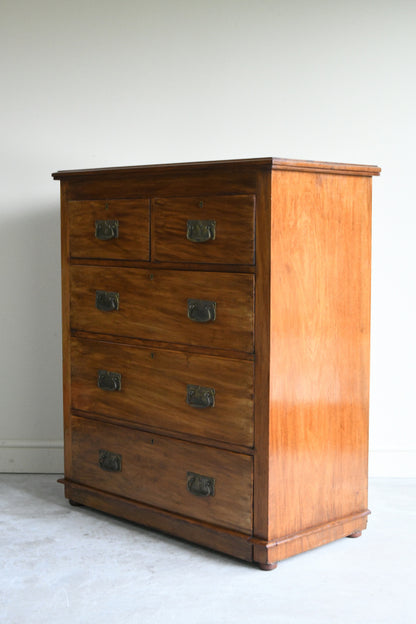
[258,163]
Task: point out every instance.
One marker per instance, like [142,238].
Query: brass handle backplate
[107,301]
[197,396]
[106,229]
[199,485]
[109,381]
[202,311]
[199,231]
[109,461]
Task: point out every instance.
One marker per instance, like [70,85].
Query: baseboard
[216,537]
[270,553]
[401,464]
[44,456]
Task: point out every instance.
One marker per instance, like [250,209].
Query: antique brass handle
[202,311]
[109,381]
[199,231]
[197,396]
[106,229]
[109,461]
[107,301]
[199,485]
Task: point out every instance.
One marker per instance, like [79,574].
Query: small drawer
[207,309]
[193,480]
[216,229]
[114,229]
[188,393]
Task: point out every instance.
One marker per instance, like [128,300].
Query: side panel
[262,359]
[320,329]
[66,350]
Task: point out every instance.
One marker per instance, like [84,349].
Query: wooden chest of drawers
[216,350]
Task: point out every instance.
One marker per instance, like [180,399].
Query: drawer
[195,394]
[114,229]
[216,229]
[158,304]
[193,480]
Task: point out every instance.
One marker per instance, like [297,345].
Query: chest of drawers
[216,350]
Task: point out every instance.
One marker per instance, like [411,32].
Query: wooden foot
[355,534]
[74,503]
[267,566]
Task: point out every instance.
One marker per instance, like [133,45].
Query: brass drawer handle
[197,396]
[198,231]
[106,229]
[202,311]
[107,301]
[109,461]
[199,485]
[111,382]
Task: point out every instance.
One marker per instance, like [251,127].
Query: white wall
[105,82]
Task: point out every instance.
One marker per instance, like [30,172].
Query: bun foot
[355,534]
[267,566]
[74,503]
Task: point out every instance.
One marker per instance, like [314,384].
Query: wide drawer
[190,479]
[218,229]
[189,393]
[185,307]
[114,229]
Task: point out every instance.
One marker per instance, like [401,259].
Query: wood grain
[154,471]
[228,166]
[269,553]
[299,316]
[66,329]
[197,531]
[234,240]
[154,389]
[134,184]
[133,231]
[320,322]
[153,305]
[262,369]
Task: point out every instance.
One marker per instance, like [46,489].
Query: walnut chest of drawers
[216,350]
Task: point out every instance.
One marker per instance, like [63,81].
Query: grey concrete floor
[63,564]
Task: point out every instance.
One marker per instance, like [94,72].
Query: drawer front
[190,479]
[189,393]
[203,229]
[114,229]
[184,307]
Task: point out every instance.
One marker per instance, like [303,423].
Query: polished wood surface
[133,184]
[133,219]
[288,353]
[162,298]
[66,331]
[320,331]
[212,536]
[154,471]
[269,552]
[234,219]
[262,346]
[154,389]
[251,164]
